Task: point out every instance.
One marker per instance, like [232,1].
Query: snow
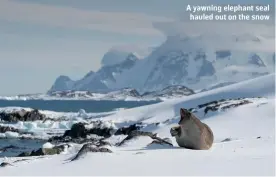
[176,60]
[250,151]
[64,121]
[9,134]
[47,145]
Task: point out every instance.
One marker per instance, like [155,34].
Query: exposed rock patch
[80,132]
[4,129]
[135,134]
[22,115]
[5,164]
[128,130]
[222,104]
[226,140]
[89,147]
[161,142]
[45,151]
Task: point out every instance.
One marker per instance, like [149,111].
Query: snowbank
[249,151]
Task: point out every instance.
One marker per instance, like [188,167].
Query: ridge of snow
[249,128]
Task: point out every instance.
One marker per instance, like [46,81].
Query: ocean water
[17,146]
[74,105]
[13,147]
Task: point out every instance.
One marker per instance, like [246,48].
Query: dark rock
[45,151]
[206,104]
[135,134]
[165,141]
[139,153]
[76,131]
[21,160]
[105,132]
[226,140]
[211,108]
[258,137]
[221,54]
[220,104]
[256,60]
[236,104]
[128,130]
[4,164]
[102,143]
[89,147]
[22,115]
[24,154]
[4,129]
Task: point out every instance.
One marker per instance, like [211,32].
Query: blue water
[75,105]
[19,146]
[59,106]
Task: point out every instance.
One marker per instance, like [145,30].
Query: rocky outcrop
[22,115]
[79,130]
[128,129]
[4,129]
[135,134]
[45,151]
[90,147]
[80,133]
[222,104]
[161,142]
[5,164]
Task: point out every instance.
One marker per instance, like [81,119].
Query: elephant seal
[191,133]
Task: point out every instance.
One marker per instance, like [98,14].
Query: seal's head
[185,115]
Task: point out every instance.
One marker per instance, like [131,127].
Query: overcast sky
[42,39]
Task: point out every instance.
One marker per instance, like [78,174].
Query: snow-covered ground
[250,151]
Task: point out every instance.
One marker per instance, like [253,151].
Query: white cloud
[119,22]
[222,34]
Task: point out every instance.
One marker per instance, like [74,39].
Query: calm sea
[16,146]
[75,105]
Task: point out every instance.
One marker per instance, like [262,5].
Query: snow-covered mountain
[193,61]
[127,94]
[98,81]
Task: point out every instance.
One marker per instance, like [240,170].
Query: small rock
[45,151]
[163,142]
[24,154]
[90,148]
[22,115]
[226,140]
[258,137]
[77,130]
[139,153]
[4,129]
[127,130]
[21,160]
[4,164]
